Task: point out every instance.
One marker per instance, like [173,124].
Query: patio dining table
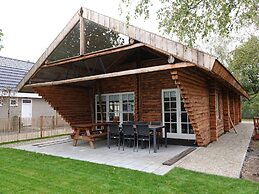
[89,133]
[154,129]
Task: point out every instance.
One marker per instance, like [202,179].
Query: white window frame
[107,105]
[179,134]
[1,101]
[16,102]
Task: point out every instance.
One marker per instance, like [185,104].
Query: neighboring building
[19,104]
[137,75]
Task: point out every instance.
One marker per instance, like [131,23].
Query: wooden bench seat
[89,133]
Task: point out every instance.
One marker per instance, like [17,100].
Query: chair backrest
[141,123]
[114,128]
[155,123]
[128,129]
[128,122]
[143,129]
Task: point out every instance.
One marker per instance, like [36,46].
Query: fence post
[19,124]
[41,126]
[53,122]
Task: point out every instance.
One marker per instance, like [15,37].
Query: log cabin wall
[147,89]
[195,93]
[216,111]
[71,103]
[151,88]
[226,109]
[232,106]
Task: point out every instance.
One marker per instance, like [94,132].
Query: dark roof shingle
[12,71]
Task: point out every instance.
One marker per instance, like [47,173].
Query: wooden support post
[232,124]
[82,33]
[41,126]
[92,99]
[53,122]
[100,100]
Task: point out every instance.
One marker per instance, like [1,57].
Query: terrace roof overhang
[143,40]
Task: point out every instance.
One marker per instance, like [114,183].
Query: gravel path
[224,157]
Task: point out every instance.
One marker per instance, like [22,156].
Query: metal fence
[16,128]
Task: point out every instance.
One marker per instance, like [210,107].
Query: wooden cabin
[99,69]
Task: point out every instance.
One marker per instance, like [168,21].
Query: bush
[250,108]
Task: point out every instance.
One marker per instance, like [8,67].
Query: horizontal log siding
[195,93]
[147,89]
[151,86]
[220,119]
[71,103]
[226,109]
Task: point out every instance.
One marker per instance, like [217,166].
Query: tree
[190,20]
[1,34]
[245,66]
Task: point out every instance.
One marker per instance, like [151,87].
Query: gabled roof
[12,71]
[201,59]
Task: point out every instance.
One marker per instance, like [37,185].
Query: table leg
[76,137]
[108,138]
[90,141]
[165,130]
[154,140]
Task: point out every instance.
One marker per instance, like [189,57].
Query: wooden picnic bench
[89,132]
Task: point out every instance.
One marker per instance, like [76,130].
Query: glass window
[69,47]
[1,101]
[218,105]
[98,37]
[13,102]
[119,106]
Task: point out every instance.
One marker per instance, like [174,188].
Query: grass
[27,172]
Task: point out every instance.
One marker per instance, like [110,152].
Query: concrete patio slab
[141,160]
[224,157]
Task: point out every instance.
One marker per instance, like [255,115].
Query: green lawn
[26,172]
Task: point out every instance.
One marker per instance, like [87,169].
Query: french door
[115,106]
[174,116]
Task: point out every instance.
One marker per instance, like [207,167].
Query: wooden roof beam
[94,55]
[114,74]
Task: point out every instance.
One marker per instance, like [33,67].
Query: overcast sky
[29,26]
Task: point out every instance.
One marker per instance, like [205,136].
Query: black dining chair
[114,133]
[143,134]
[142,123]
[128,134]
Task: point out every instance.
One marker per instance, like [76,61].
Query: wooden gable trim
[224,74]
[49,50]
[114,74]
[153,40]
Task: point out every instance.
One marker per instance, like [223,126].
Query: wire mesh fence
[17,128]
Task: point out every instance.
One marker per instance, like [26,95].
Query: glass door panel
[175,118]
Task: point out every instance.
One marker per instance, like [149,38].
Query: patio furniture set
[129,132]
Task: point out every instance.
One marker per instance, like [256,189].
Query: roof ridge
[160,35]
[16,59]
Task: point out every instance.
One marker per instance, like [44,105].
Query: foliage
[250,108]
[1,35]
[245,64]
[27,172]
[193,19]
